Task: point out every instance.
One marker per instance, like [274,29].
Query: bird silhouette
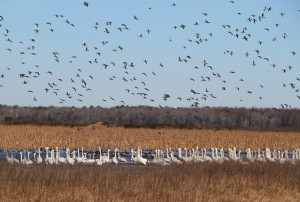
[110,49]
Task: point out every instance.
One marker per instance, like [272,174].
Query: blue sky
[219,86]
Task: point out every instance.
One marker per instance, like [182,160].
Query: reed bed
[90,137]
[186,182]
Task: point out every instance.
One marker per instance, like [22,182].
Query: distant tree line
[145,116]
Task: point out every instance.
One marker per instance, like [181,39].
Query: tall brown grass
[90,137]
[187,182]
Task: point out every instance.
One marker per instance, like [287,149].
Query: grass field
[90,137]
[186,182]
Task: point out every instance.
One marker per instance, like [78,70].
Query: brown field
[90,137]
[186,182]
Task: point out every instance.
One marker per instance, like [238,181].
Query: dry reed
[187,182]
[90,137]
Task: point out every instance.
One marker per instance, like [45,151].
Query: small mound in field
[101,125]
[98,125]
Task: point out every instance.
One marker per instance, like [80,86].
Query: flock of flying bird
[160,157]
[77,86]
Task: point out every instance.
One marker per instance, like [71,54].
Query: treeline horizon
[156,117]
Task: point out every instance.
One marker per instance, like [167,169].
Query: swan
[232,154]
[164,161]
[223,155]
[183,158]
[281,159]
[215,158]
[99,161]
[158,158]
[48,160]
[141,159]
[34,157]
[155,157]
[195,156]
[249,155]
[269,155]
[70,160]
[28,160]
[60,159]
[39,158]
[90,160]
[54,157]
[260,157]
[114,159]
[201,159]
[14,159]
[298,154]
[8,159]
[186,154]
[11,159]
[180,154]
[206,158]
[133,158]
[82,155]
[174,159]
[167,158]
[121,159]
[23,161]
[78,158]
[51,159]
[106,158]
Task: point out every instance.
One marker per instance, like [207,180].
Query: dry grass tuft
[90,137]
[187,182]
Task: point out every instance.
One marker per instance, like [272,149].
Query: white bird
[249,155]
[155,157]
[114,159]
[121,159]
[107,157]
[70,160]
[133,158]
[39,158]
[99,161]
[141,159]
[206,158]
[60,159]
[260,157]
[78,158]
[223,155]
[11,159]
[28,160]
[195,156]
[23,161]
[183,158]
[281,159]
[214,157]
[167,158]
[48,160]
[164,161]
[269,155]
[90,160]
[174,159]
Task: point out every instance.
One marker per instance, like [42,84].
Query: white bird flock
[159,156]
